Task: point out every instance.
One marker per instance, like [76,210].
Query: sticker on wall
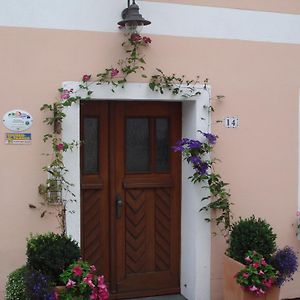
[18,138]
[17,120]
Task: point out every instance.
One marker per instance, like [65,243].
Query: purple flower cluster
[286,262]
[194,150]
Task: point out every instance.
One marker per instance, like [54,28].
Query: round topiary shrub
[51,253]
[15,288]
[251,234]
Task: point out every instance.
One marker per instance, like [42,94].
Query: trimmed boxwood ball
[51,253]
[15,288]
[251,234]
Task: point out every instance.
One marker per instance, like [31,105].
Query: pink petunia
[245,275]
[70,284]
[94,295]
[263,262]
[88,277]
[86,77]
[93,268]
[261,273]
[248,259]
[77,271]
[267,283]
[255,265]
[253,288]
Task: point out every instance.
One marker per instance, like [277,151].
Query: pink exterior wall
[259,159]
[288,6]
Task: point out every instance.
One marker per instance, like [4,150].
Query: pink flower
[260,292]
[298,213]
[248,259]
[114,72]
[91,284]
[93,268]
[255,265]
[94,294]
[146,40]
[103,292]
[70,284]
[253,288]
[245,275]
[88,277]
[263,262]
[86,77]
[60,147]
[261,273]
[267,283]
[135,37]
[77,271]
[65,94]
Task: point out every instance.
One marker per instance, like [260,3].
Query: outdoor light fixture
[133,21]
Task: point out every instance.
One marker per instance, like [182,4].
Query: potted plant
[81,283]
[250,234]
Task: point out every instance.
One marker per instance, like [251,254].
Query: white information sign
[17,120]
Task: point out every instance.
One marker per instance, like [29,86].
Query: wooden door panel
[148,234]
[135,245]
[94,192]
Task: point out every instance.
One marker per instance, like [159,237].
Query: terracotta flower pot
[233,291]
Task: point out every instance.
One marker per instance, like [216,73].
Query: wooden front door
[130,195]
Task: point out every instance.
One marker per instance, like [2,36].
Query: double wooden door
[130,195]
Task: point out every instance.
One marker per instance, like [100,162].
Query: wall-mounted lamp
[133,21]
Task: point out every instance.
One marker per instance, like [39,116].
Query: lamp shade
[132,17]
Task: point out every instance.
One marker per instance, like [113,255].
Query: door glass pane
[137,145]
[162,144]
[91,145]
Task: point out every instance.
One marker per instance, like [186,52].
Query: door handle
[119,204]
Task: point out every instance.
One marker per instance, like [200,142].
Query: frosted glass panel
[137,145]
[91,145]
[162,144]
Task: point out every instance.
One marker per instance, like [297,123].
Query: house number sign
[231,122]
[17,120]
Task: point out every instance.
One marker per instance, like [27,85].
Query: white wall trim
[298,218]
[195,21]
[195,232]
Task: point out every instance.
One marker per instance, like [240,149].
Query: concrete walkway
[168,297]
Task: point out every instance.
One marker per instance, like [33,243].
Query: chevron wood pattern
[91,246]
[135,232]
[162,229]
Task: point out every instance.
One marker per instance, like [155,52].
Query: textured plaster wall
[259,159]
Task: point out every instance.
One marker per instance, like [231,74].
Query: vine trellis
[58,190]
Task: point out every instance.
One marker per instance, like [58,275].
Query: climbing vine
[58,190]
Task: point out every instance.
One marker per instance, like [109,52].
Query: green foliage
[51,253]
[251,234]
[177,85]
[15,286]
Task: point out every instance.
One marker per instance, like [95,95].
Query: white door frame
[195,232]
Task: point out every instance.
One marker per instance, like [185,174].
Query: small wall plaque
[18,138]
[17,120]
[231,122]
